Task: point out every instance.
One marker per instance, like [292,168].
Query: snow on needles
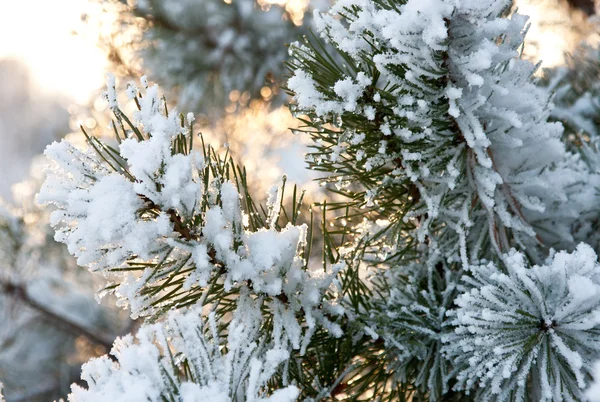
[146,371]
[519,327]
[157,217]
[454,109]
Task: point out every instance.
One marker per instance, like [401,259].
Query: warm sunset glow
[51,37]
[555,30]
[295,8]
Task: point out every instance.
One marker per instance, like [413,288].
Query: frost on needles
[164,223]
[424,116]
[445,285]
[430,98]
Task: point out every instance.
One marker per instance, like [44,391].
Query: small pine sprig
[190,358]
[528,333]
[409,313]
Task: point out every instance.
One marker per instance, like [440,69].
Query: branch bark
[19,293]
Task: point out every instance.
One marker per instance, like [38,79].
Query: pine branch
[204,51]
[20,294]
[177,237]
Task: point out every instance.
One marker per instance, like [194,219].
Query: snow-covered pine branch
[428,106]
[528,333]
[191,358]
[164,223]
[206,49]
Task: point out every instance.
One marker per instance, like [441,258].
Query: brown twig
[19,292]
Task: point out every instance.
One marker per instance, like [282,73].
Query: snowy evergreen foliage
[438,278]
[206,365]
[455,118]
[208,49]
[164,224]
[528,333]
[424,116]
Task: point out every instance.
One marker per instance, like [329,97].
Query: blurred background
[222,60]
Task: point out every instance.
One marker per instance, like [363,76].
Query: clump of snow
[111,92]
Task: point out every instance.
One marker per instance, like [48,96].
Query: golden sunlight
[49,37]
[555,29]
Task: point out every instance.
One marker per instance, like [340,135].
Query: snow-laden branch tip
[189,359]
[528,333]
[158,217]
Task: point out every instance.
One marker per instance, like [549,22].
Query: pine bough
[459,188]
[207,49]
